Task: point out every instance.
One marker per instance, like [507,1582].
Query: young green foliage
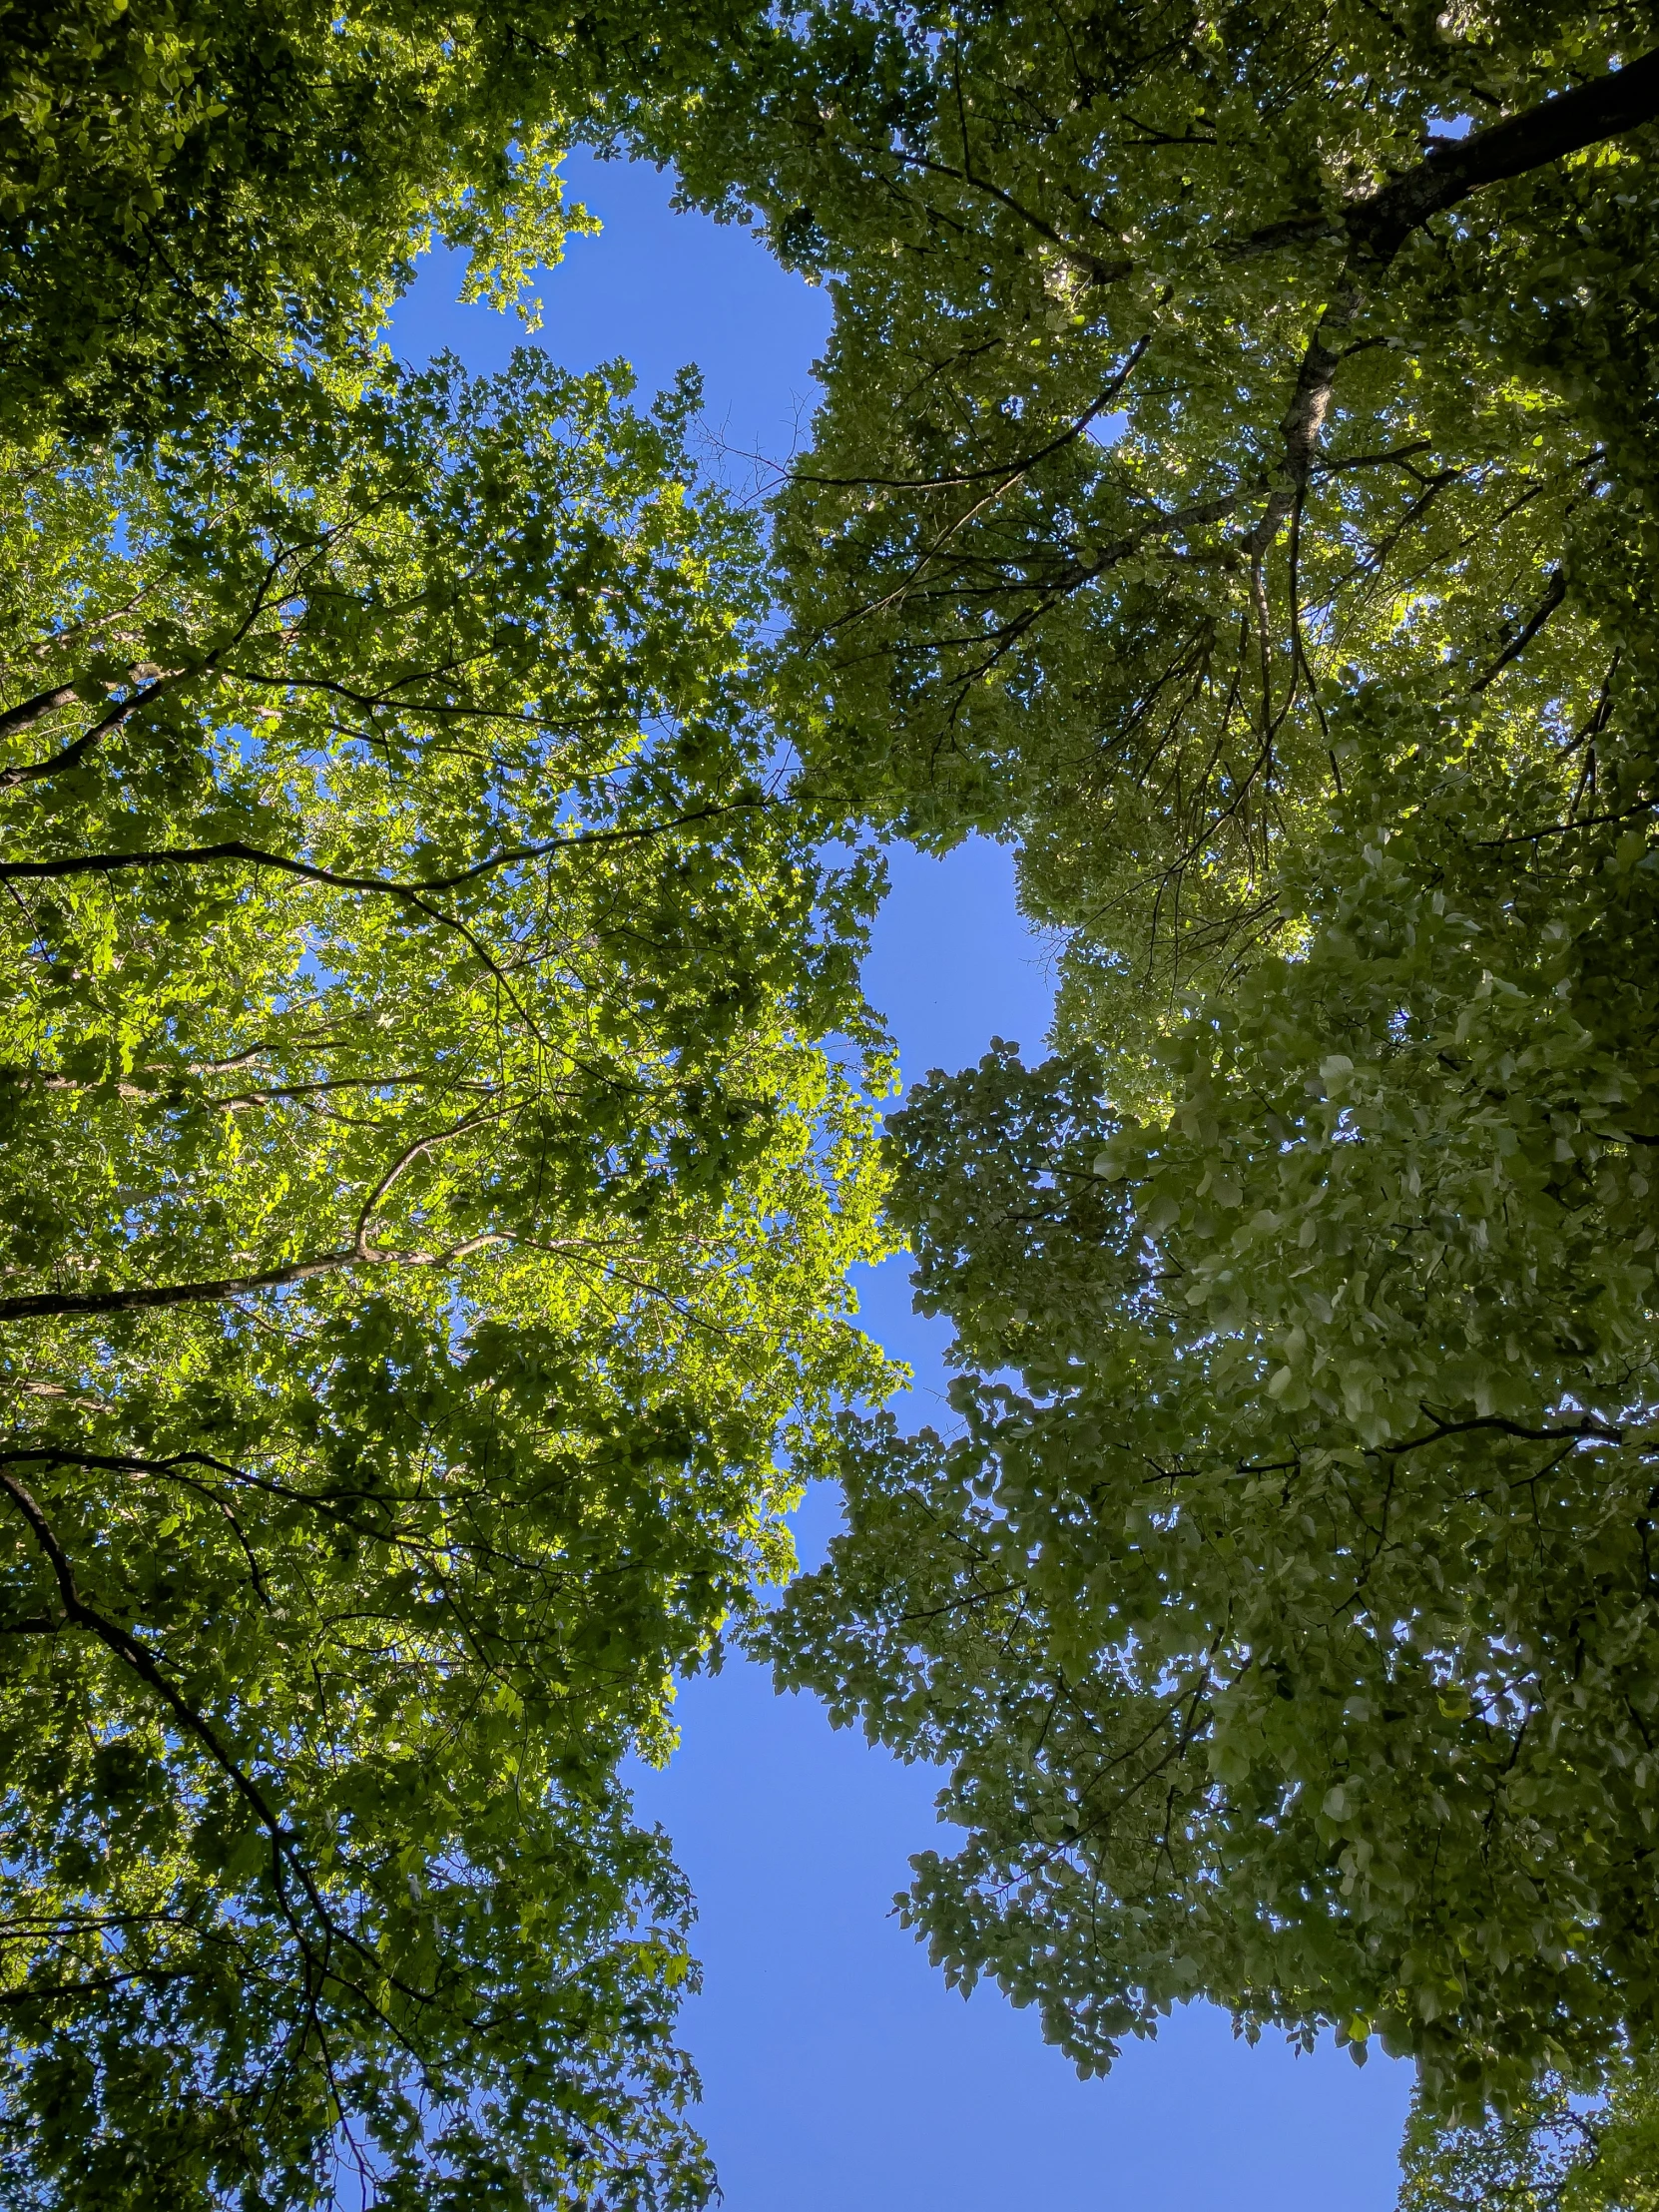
[425,1203]
[1177,372]
[1551,2152]
[192,190]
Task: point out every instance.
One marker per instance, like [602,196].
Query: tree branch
[1012,469]
[69,756]
[1087,264]
[15,720]
[406,1159]
[144,1297]
[1379,226]
[235,849]
[1586,1429]
[1556,590]
[34,772]
[143,1663]
[151,1297]
[1566,124]
[286,1859]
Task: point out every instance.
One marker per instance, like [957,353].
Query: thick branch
[15,720]
[1566,124]
[149,1296]
[145,1297]
[1377,228]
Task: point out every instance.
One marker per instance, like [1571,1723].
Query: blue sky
[840,2074]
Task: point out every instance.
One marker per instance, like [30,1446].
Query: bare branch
[15,720]
[1556,590]
[1012,469]
[236,848]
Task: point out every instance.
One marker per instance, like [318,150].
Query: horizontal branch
[151,1297]
[252,856]
[1586,1430]
[154,1297]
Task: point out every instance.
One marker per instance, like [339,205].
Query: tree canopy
[1086,371]
[426,1204]
[1235,481]
[429,1191]
[193,192]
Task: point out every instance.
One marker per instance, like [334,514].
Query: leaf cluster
[1235,482]
[426,1205]
[193,192]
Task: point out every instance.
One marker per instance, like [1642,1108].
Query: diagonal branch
[286,1861]
[142,1661]
[28,712]
[1377,228]
[1012,469]
[69,756]
[34,772]
[1556,590]
[1049,592]
[406,1159]
[1091,266]
[1566,124]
